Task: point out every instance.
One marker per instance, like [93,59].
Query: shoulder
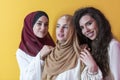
[114,43]
[19,51]
[114,48]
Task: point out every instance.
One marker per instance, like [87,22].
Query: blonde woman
[63,63]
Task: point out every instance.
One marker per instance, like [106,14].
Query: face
[89,27]
[62,29]
[40,28]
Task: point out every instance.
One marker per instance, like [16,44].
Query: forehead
[84,19]
[62,20]
[43,18]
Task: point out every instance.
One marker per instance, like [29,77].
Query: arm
[34,71]
[114,52]
[30,67]
[87,76]
[91,70]
[88,60]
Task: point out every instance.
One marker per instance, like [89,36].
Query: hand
[88,60]
[45,51]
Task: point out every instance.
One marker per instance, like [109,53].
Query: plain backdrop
[12,13]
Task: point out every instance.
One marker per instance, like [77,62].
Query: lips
[60,35]
[90,34]
[41,32]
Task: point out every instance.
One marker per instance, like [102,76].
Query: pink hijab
[31,44]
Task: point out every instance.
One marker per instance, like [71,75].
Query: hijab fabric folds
[29,42]
[63,57]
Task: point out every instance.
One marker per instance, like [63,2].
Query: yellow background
[12,13]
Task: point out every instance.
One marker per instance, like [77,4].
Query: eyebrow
[89,21]
[58,24]
[42,21]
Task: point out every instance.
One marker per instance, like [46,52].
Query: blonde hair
[71,30]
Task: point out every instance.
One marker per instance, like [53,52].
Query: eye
[39,23]
[57,26]
[88,23]
[46,24]
[65,26]
[81,27]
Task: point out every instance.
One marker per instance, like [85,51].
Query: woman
[34,36]
[94,29]
[63,63]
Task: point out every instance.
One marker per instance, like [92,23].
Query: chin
[93,38]
[41,36]
[62,41]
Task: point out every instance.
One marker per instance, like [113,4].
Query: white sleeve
[86,76]
[34,70]
[114,52]
[30,67]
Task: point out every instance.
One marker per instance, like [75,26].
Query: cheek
[83,32]
[96,28]
[34,30]
[35,33]
[46,29]
[67,34]
[66,31]
[56,32]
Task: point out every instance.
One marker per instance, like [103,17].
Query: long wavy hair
[99,46]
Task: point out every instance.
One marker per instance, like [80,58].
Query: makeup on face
[88,26]
[40,28]
[62,29]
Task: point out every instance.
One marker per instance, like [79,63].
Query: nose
[61,29]
[42,27]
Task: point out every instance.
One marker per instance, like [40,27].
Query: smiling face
[40,28]
[62,29]
[88,26]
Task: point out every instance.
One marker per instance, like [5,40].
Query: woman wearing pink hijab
[35,35]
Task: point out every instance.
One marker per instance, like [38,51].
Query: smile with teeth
[90,34]
[60,35]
